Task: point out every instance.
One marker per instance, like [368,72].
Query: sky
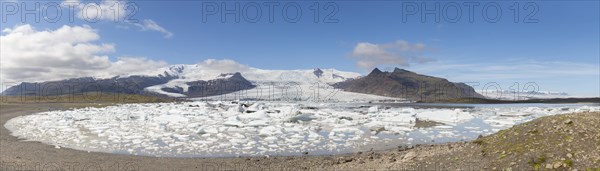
[554,45]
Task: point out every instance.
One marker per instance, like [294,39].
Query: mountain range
[196,81]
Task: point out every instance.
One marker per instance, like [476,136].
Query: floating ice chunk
[305,117]
[346,131]
[313,135]
[446,127]
[209,130]
[271,139]
[401,119]
[254,116]
[181,137]
[193,125]
[254,107]
[236,109]
[373,109]
[171,119]
[238,140]
[233,121]
[270,130]
[446,116]
[258,123]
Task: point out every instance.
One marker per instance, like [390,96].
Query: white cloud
[223,66]
[148,24]
[30,55]
[134,66]
[370,55]
[114,11]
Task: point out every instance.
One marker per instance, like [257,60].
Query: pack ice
[229,129]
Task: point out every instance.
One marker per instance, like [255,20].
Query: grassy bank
[561,142]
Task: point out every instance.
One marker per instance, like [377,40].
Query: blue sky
[559,52]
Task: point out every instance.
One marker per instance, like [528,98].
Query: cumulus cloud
[133,66]
[223,65]
[113,11]
[370,55]
[30,55]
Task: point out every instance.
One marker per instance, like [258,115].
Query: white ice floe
[220,129]
[446,116]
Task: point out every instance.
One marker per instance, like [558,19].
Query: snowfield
[229,129]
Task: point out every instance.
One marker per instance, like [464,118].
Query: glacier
[307,84]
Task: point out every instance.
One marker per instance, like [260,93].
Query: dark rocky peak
[237,75]
[375,71]
[318,72]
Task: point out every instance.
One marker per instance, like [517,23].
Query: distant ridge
[76,86]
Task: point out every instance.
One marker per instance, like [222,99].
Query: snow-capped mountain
[211,79]
[229,80]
